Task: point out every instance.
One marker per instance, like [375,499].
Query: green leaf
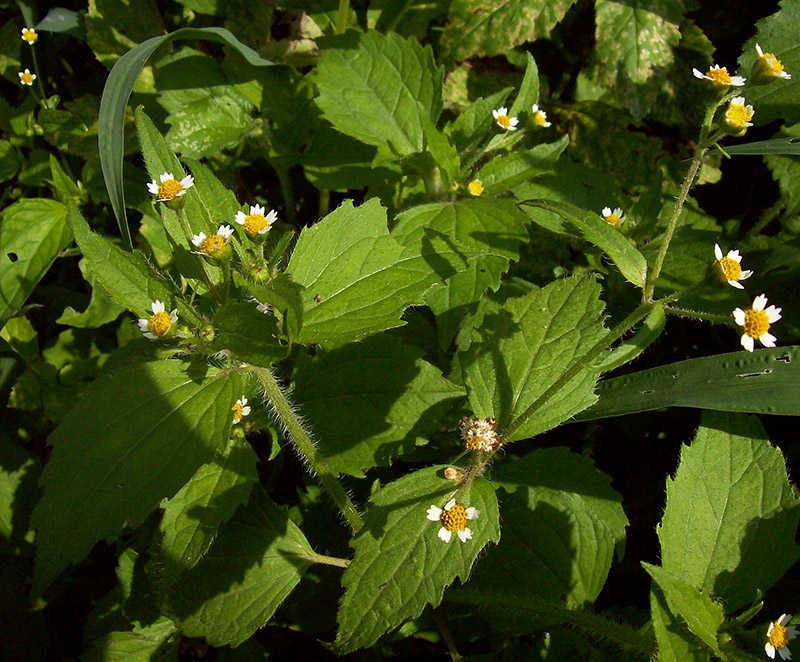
[554,546]
[137,436]
[9,161]
[127,278]
[101,310]
[731,515]
[777,100]
[565,471]
[675,642]
[703,616]
[283,294]
[370,402]
[472,126]
[589,226]
[788,145]
[400,564]
[19,473]
[114,101]
[760,382]
[379,89]
[525,346]
[193,516]
[256,560]
[480,28]
[504,173]
[358,280]
[32,234]
[150,643]
[645,335]
[63,21]
[248,334]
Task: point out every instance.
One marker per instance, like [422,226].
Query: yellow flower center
[473,442]
[773,63]
[613,219]
[454,519]
[737,116]
[731,268]
[779,635]
[27,78]
[504,121]
[756,324]
[539,119]
[30,36]
[159,324]
[254,223]
[475,187]
[212,244]
[237,411]
[719,76]
[169,189]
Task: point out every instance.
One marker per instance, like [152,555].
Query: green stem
[699,152]
[184,223]
[341,16]
[433,184]
[696,315]
[286,188]
[768,216]
[324,202]
[326,560]
[38,76]
[444,629]
[305,447]
[586,360]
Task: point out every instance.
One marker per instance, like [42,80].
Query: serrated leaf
[248,334]
[471,126]
[379,89]
[358,280]
[400,564]
[101,310]
[629,349]
[525,346]
[257,559]
[369,402]
[150,643]
[592,228]
[193,516]
[702,615]
[283,294]
[560,469]
[135,437]
[32,234]
[504,173]
[554,546]
[760,382]
[675,642]
[480,28]
[19,472]
[731,515]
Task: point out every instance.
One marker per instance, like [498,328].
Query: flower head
[160,324]
[539,117]
[213,245]
[756,321]
[170,189]
[453,518]
[767,68]
[613,217]
[240,409]
[738,116]
[779,636]
[29,35]
[729,267]
[719,76]
[480,434]
[475,187]
[503,120]
[26,77]
[256,223]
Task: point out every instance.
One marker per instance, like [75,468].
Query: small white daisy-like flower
[779,634]
[719,76]
[26,77]
[160,324]
[29,36]
[539,117]
[240,409]
[767,67]
[170,188]
[453,517]
[756,321]
[256,223]
[475,187]
[738,115]
[613,217]
[209,245]
[480,434]
[503,120]
[730,267]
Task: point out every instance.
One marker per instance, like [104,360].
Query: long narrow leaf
[789,145]
[116,93]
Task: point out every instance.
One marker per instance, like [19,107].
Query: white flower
[240,409]
[480,434]
[613,217]
[256,223]
[738,115]
[159,324]
[730,266]
[503,120]
[769,66]
[213,243]
[779,636]
[756,323]
[29,36]
[453,518]
[170,188]
[26,77]
[719,76]
[539,117]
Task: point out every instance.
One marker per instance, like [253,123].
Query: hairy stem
[341,16]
